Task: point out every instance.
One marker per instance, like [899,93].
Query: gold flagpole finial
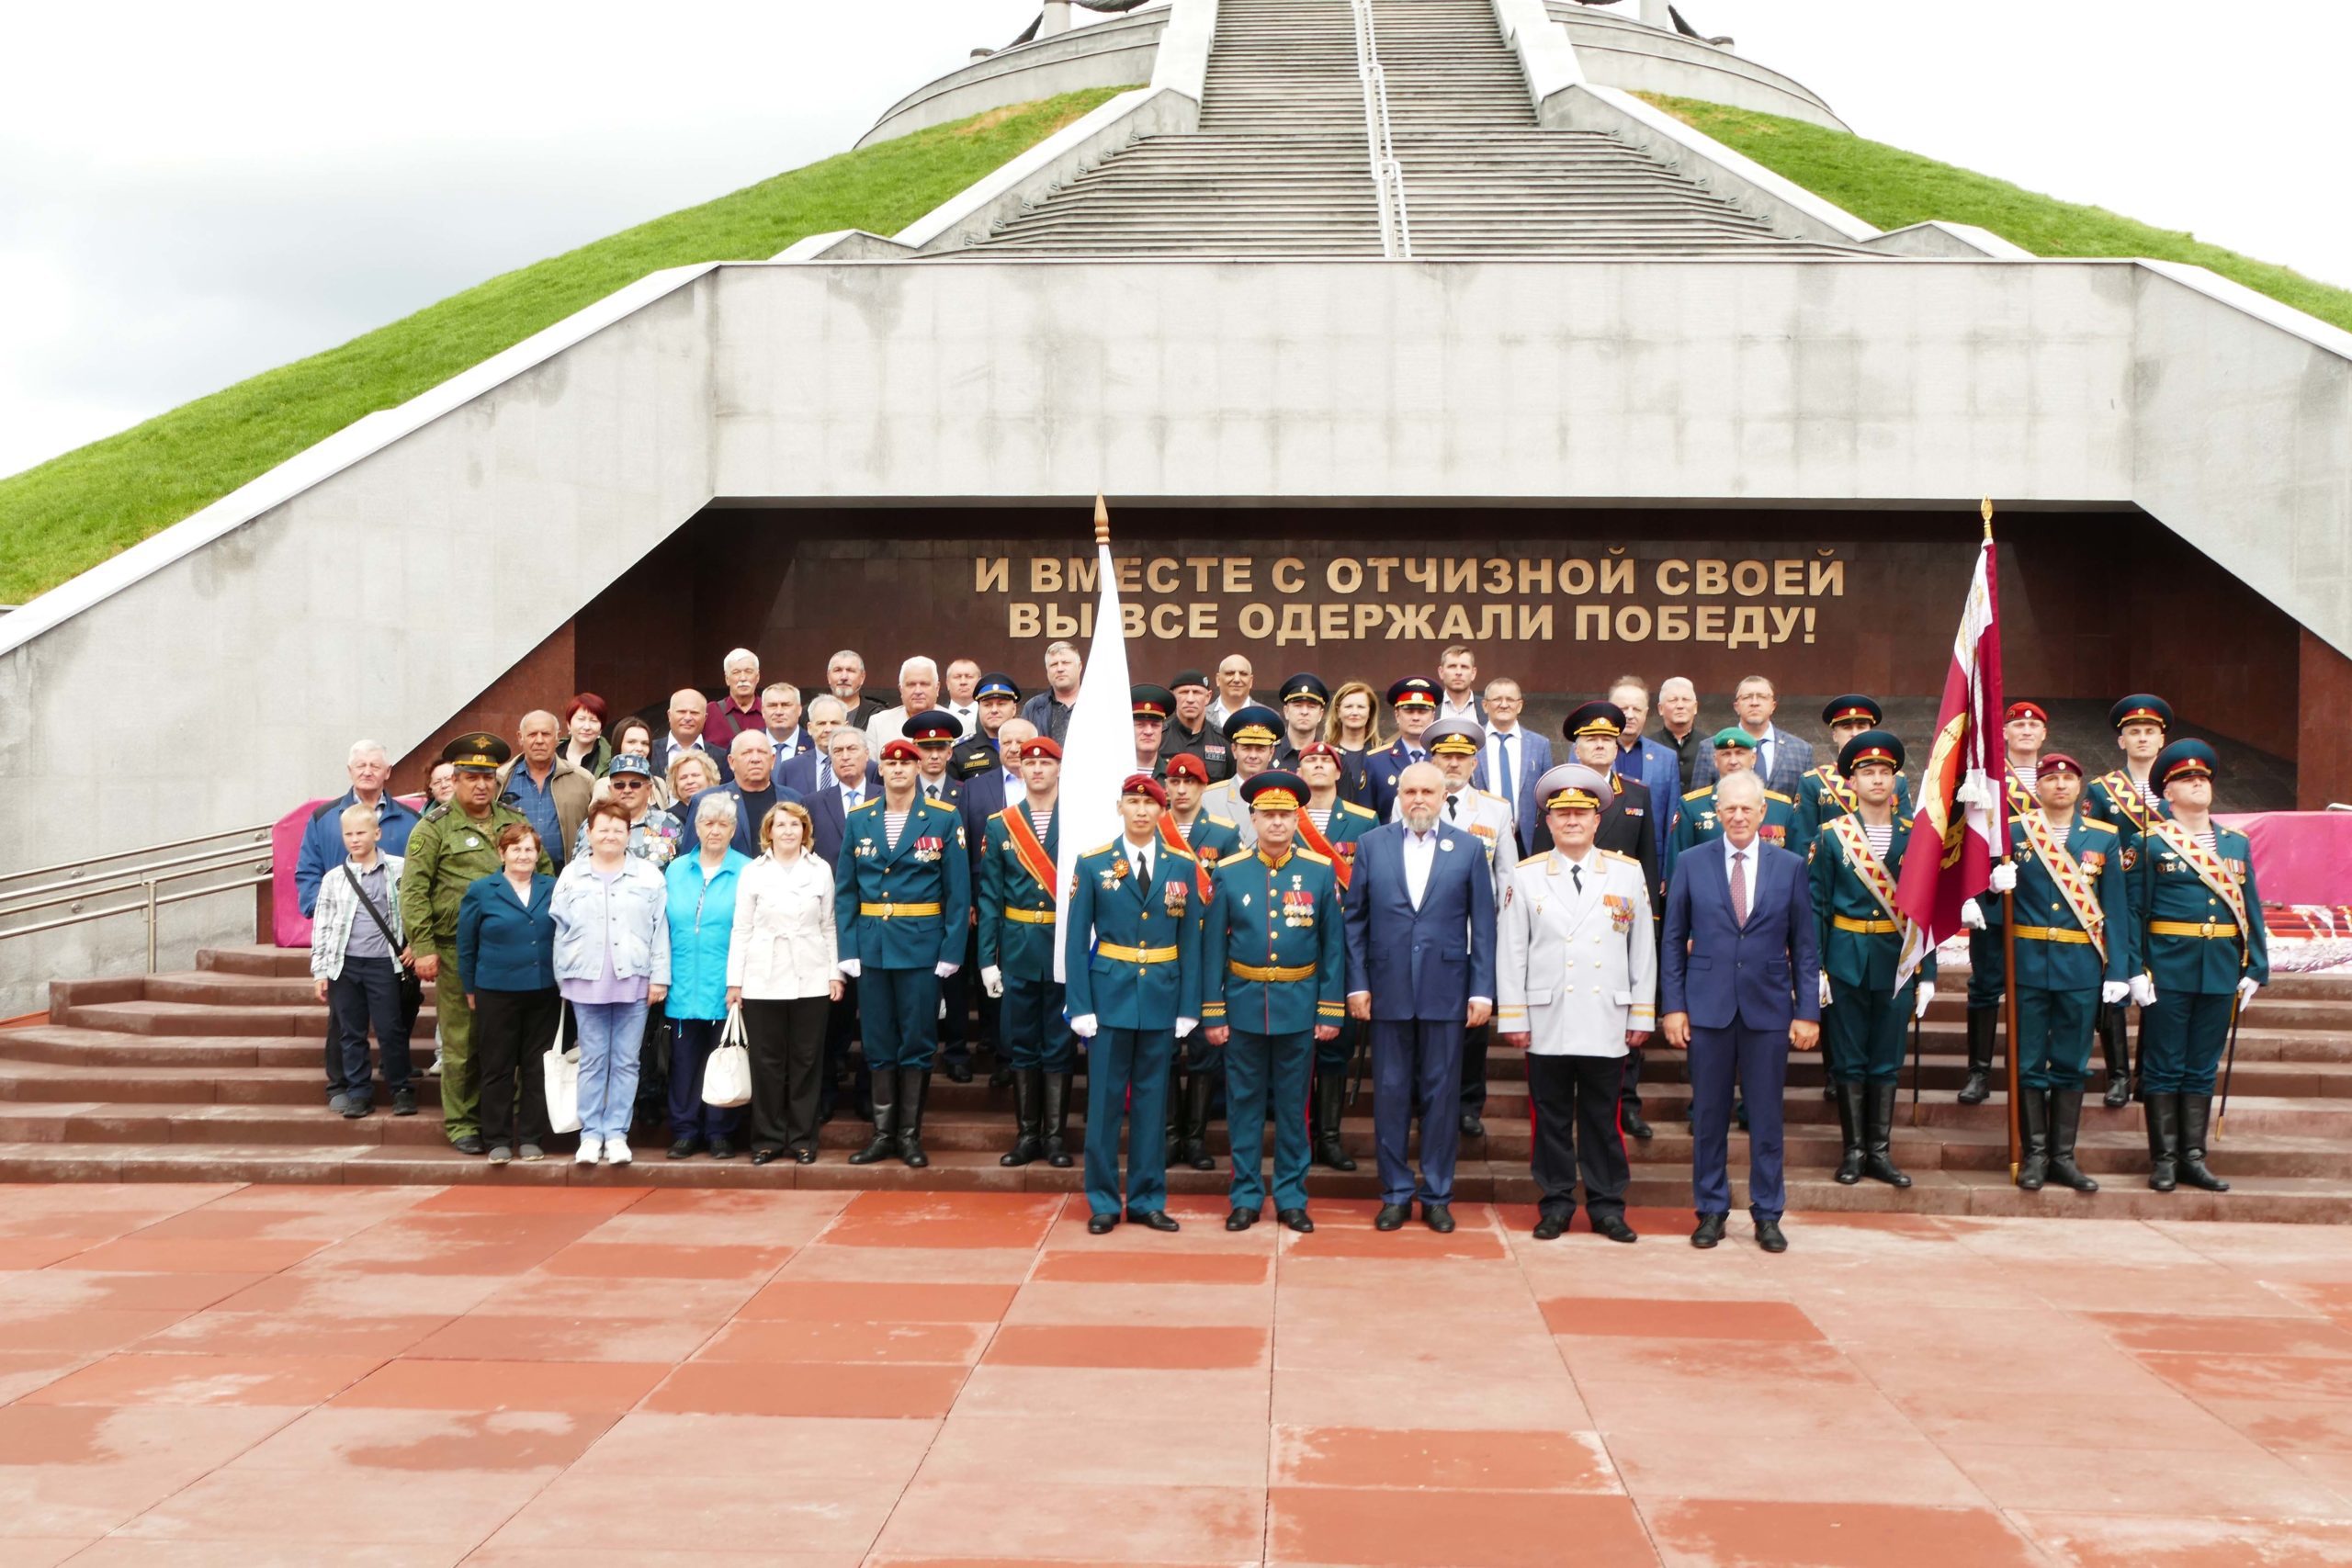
[1103,520]
[1987,510]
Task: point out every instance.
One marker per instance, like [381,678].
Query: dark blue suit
[1421,967]
[1654,763]
[1742,986]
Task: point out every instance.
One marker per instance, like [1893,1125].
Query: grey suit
[1791,759]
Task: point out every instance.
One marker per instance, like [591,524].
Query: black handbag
[412,988]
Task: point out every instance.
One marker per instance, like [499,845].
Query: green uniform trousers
[2055,1037]
[460,1084]
[1861,1031]
[2181,1040]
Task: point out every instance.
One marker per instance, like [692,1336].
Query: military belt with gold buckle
[899,911]
[1865,928]
[1030,916]
[1268,977]
[2052,934]
[1134,954]
[2210,929]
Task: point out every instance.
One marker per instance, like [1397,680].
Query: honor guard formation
[773,913]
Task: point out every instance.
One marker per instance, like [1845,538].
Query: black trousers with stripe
[1573,1103]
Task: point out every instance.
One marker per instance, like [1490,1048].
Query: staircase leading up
[1281,166]
[215,1075]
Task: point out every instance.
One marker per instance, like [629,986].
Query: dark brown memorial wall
[2094,605]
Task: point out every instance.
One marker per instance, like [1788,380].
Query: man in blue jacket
[1739,983]
[322,839]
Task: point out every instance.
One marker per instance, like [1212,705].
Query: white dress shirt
[852,796]
[1506,751]
[1734,855]
[1420,856]
[1468,708]
[1138,857]
[1764,755]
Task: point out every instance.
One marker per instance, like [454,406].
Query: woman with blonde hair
[782,965]
[1354,729]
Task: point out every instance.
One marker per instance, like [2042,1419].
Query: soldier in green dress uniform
[2024,727]
[452,847]
[1023,843]
[1330,826]
[2207,952]
[1855,865]
[2075,941]
[1274,977]
[1695,823]
[2128,800]
[1194,1065]
[903,905]
[1825,795]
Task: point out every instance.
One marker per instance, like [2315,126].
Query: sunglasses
[629,784]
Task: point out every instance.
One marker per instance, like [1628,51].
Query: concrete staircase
[214,1075]
[1280,164]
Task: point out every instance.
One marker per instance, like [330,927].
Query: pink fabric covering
[288,925]
[2300,857]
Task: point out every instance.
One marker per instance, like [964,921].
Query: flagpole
[2008,937]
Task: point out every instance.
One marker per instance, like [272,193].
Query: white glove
[1927,995]
[2114,991]
[992,979]
[1824,990]
[2144,989]
[2246,987]
[1972,915]
[2005,877]
[943,969]
[1083,1026]
[850,966]
[1184,1026]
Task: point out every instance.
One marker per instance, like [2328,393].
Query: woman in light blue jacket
[612,957]
[702,919]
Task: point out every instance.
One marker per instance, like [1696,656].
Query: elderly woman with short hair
[702,890]
[506,962]
[611,958]
[781,965]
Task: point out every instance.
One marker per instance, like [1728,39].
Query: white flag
[1099,749]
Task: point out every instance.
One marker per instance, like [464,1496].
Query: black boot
[1175,1143]
[2115,1047]
[1982,1021]
[2033,1120]
[1849,1093]
[1056,1120]
[2163,1111]
[2066,1122]
[1199,1089]
[1878,1133]
[1028,1102]
[914,1088]
[2196,1114]
[885,1140]
[1330,1091]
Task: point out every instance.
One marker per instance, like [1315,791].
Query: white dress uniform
[1575,968]
[1222,799]
[1488,816]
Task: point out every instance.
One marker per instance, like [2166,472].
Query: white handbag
[727,1076]
[562,1072]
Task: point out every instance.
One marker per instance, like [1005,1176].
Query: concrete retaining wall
[1117,52]
[1618,52]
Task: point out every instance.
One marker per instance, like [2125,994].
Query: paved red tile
[936,1220]
[156,1255]
[1442,1460]
[851,1301]
[1092,1524]
[1651,1319]
[644,1260]
[488,1337]
[1079,1345]
[418,1385]
[207,1380]
[2225,1335]
[1700,1534]
[803,1339]
[1113,1266]
[2093,1540]
[745,1388]
[1373,1525]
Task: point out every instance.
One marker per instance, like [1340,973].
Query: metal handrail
[259,835]
[1387,174]
[139,885]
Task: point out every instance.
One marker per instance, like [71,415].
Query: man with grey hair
[367,768]
[737,708]
[1050,709]
[1678,726]
[753,790]
[845,678]
[552,795]
[918,693]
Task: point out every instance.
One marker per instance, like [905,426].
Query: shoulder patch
[1102,849]
[1538,859]
[1620,855]
[1491,794]
[2096,825]
[1776,795]
[1221,822]
[1353,809]
[874,804]
[1174,853]
[1311,855]
[1695,793]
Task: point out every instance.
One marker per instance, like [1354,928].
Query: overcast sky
[192,194]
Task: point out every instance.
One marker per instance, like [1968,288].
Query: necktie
[1143,866]
[848,800]
[1576,871]
[1739,888]
[932,790]
[1511,782]
[1451,815]
[1417,754]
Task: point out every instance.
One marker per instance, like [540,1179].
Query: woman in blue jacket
[506,964]
[702,916]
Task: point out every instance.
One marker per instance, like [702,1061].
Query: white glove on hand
[943,969]
[1972,915]
[2114,991]
[2143,990]
[2246,987]
[2005,877]
[1084,1026]
[992,979]
[1824,990]
[1184,1026]
[849,967]
[1927,995]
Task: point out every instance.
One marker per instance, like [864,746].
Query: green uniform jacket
[1858,958]
[1695,824]
[1110,908]
[1022,948]
[1349,822]
[1271,916]
[2179,895]
[447,852]
[1824,797]
[929,865]
[2069,966]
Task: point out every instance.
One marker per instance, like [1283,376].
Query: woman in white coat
[782,966]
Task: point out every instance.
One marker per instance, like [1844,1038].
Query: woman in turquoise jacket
[702,916]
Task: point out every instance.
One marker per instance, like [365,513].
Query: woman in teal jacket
[702,916]
[506,964]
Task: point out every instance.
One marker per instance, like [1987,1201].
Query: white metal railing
[1387,174]
[132,883]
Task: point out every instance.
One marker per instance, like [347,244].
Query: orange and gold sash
[2127,798]
[2209,870]
[1027,847]
[1838,790]
[1313,837]
[1867,866]
[1173,836]
[2073,883]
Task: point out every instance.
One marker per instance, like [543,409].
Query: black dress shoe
[685,1148]
[1439,1217]
[1550,1227]
[721,1149]
[1614,1228]
[1471,1126]
[1768,1236]
[1152,1220]
[1710,1231]
[804,1156]
[1240,1219]
[471,1144]
[1739,1115]
[1101,1224]
[765,1157]
[1296,1219]
[959,1072]
[1392,1216]
[1638,1127]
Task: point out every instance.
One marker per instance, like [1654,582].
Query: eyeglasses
[629,784]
